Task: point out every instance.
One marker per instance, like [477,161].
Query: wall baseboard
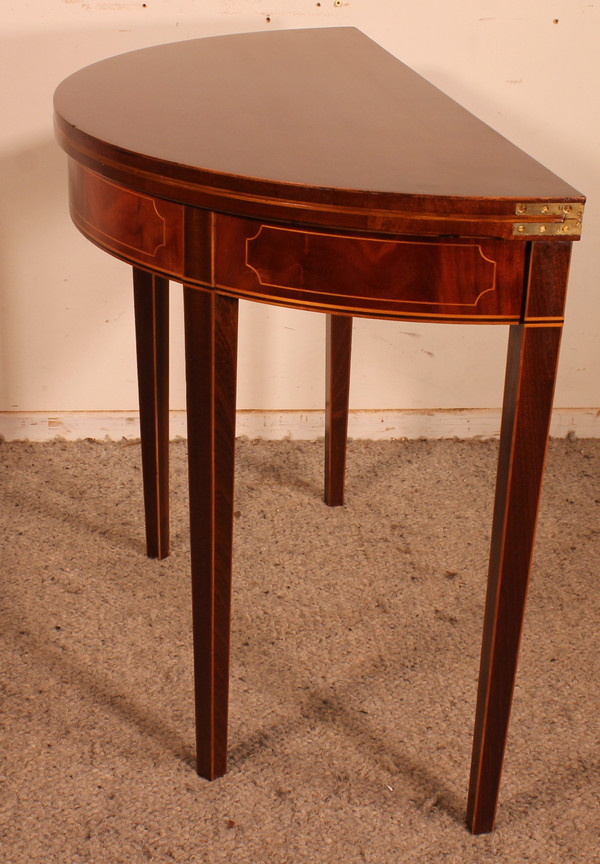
[296,425]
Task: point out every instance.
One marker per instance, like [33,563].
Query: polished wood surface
[151,304]
[211,357]
[297,124]
[399,277]
[532,361]
[337,396]
[368,274]
[529,389]
[366,121]
[313,170]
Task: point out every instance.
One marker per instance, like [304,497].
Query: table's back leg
[151,304]
[337,389]
[211,359]
[530,379]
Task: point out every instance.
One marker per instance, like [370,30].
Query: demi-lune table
[312,169]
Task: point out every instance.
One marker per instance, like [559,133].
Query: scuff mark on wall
[282,8]
[106,6]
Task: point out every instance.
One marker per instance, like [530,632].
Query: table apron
[445,278]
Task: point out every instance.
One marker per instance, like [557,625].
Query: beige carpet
[356,637]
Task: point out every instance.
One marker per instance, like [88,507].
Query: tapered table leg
[211,359]
[151,303]
[337,389]
[530,378]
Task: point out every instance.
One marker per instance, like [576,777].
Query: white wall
[530,69]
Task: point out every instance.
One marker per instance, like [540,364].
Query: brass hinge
[569,225]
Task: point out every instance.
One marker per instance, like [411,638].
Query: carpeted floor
[356,636]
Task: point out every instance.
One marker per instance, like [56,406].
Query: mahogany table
[311,169]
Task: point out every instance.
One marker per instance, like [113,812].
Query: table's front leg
[337,389]
[211,359]
[151,304]
[530,379]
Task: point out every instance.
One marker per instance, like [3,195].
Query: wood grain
[312,169]
[151,304]
[379,143]
[547,283]
[141,229]
[337,393]
[530,381]
[211,358]
[398,277]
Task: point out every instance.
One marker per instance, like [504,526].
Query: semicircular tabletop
[319,110]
